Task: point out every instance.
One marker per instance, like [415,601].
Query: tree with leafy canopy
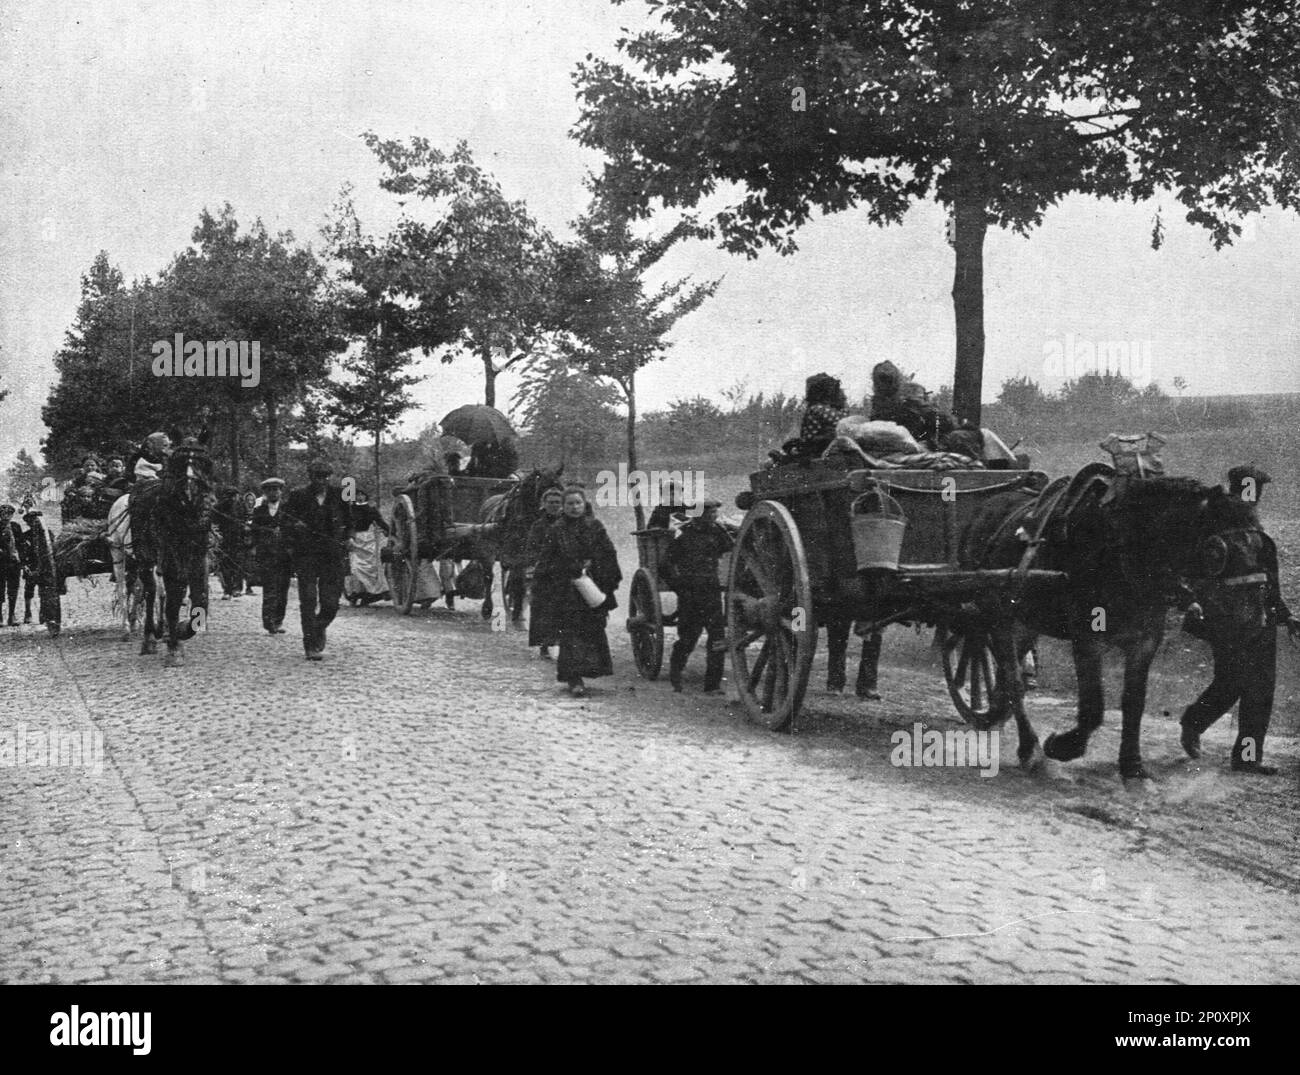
[105,397]
[258,287]
[391,295]
[485,267]
[567,413]
[1023,395]
[997,108]
[375,397]
[24,477]
[613,322]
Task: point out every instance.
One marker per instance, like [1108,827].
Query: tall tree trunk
[630,390]
[233,442]
[272,434]
[378,489]
[489,377]
[971,222]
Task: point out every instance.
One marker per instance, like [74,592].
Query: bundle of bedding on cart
[80,545]
[888,446]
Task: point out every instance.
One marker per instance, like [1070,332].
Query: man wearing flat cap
[1238,612]
[691,569]
[316,529]
[40,571]
[272,553]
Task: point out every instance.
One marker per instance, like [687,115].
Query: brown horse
[171,521]
[1126,546]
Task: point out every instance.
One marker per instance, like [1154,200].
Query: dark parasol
[478,424]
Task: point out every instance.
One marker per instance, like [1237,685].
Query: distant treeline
[739,431]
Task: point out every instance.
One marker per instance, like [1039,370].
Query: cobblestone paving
[425,805]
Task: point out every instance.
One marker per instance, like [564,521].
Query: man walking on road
[272,554]
[691,569]
[1239,613]
[11,561]
[317,530]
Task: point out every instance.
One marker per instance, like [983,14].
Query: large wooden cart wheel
[771,626]
[404,567]
[645,623]
[974,679]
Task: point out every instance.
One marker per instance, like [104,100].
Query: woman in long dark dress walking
[543,629]
[575,546]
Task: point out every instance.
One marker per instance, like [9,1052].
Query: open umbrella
[450,444]
[478,424]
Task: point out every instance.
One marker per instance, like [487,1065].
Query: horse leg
[516,594]
[837,648]
[122,587]
[1087,667]
[489,569]
[1138,656]
[150,582]
[1005,644]
[175,584]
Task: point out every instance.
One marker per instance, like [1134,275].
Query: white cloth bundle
[876,438]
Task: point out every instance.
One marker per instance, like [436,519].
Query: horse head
[1160,527]
[187,478]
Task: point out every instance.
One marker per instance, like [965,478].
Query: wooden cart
[429,518]
[796,566]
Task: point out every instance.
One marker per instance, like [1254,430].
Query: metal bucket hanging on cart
[878,525]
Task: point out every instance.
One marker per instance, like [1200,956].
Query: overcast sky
[120,122]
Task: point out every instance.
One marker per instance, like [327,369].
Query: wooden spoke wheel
[771,627]
[404,567]
[973,676]
[645,623]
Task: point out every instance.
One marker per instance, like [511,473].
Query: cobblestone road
[426,806]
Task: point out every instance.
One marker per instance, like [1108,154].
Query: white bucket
[878,525]
[591,593]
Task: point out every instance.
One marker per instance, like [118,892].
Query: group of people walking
[575,573]
[26,563]
[312,534]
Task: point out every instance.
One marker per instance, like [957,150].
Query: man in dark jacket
[691,569]
[316,529]
[41,572]
[272,552]
[11,561]
[1238,612]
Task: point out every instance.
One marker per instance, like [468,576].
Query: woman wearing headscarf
[543,629]
[366,582]
[577,546]
[825,405]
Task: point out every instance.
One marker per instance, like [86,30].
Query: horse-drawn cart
[823,540]
[439,517]
[81,549]
[652,604]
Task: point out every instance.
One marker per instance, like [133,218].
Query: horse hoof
[149,648]
[1064,747]
[175,659]
[1035,760]
[1135,774]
